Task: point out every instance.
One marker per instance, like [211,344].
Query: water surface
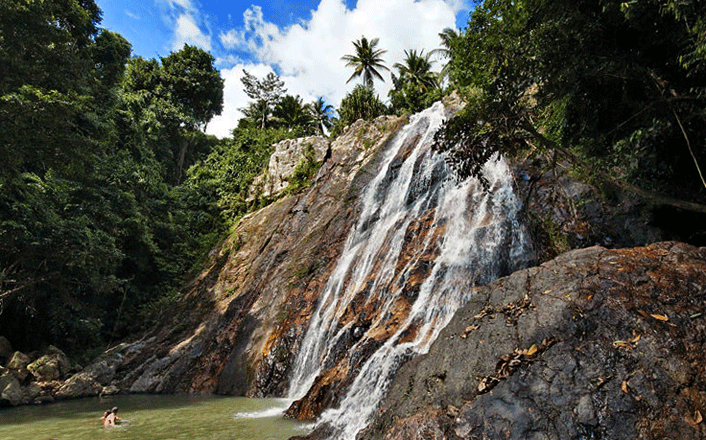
[152,417]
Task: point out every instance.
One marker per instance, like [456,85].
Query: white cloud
[187,31]
[307,55]
[132,15]
[183,4]
[185,19]
[234,98]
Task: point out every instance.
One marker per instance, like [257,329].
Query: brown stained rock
[322,395]
[237,329]
[593,344]
[369,328]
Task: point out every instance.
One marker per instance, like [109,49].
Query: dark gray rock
[595,344]
[92,380]
[11,393]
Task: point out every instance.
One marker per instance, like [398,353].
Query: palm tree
[448,38]
[366,61]
[321,113]
[290,113]
[416,70]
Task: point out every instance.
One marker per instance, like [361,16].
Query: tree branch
[652,196]
[688,145]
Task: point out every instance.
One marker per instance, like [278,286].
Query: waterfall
[461,235]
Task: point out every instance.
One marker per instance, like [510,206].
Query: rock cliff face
[237,329]
[287,155]
[595,344]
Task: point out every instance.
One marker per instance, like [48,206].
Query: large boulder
[11,393]
[18,361]
[92,379]
[18,365]
[52,366]
[595,344]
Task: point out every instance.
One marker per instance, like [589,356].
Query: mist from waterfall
[471,237]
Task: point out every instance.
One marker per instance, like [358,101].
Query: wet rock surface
[595,344]
[237,329]
[92,380]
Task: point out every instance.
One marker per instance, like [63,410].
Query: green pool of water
[152,418]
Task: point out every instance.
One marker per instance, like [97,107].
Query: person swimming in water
[110,417]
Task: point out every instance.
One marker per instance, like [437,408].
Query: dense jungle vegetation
[617,87]
[111,193]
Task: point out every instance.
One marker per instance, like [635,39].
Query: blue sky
[302,41]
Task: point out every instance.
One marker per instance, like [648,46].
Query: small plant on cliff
[304,171]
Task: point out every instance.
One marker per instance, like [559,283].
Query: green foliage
[303,172]
[257,115]
[291,113]
[613,81]
[322,115]
[193,85]
[417,87]
[172,102]
[266,92]
[361,103]
[93,226]
[449,40]
[223,179]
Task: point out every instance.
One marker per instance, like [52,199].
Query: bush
[361,103]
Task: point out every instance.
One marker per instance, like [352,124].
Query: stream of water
[475,236]
[153,417]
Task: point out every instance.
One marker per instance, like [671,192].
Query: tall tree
[614,82]
[47,79]
[449,38]
[257,114]
[57,252]
[178,98]
[416,70]
[322,114]
[366,61]
[290,112]
[416,87]
[269,90]
[194,84]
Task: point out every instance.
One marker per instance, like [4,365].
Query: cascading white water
[474,237]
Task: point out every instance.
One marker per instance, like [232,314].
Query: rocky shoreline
[49,376]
